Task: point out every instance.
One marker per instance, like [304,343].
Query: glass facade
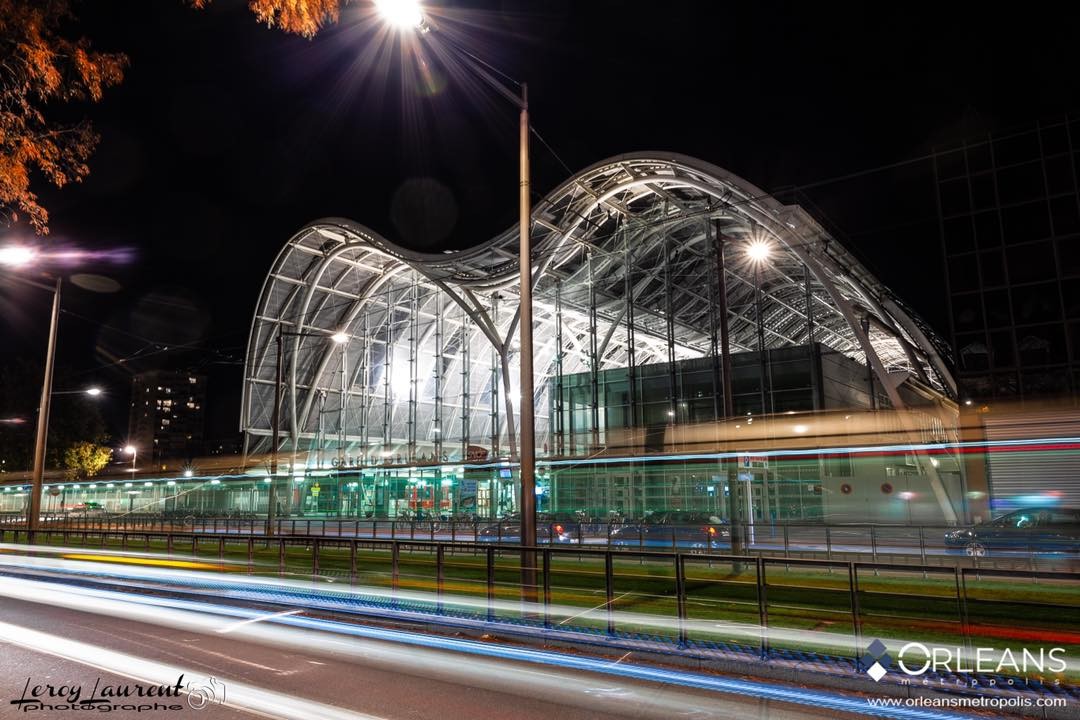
[836,485]
[1010,229]
[647,272]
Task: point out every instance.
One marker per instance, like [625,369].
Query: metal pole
[869,370]
[344,404]
[762,360]
[271,495]
[33,518]
[722,311]
[731,475]
[528,449]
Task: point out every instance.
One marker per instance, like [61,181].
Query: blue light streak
[745,688]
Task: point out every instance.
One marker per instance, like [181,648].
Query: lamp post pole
[404,15]
[34,517]
[527,444]
[732,474]
[271,495]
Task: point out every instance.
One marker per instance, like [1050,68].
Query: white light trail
[261,618]
[565,686]
[237,695]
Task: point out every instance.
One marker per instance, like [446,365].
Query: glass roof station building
[675,304]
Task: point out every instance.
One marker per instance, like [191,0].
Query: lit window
[192,381]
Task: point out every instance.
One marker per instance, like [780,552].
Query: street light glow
[130,449]
[16,255]
[93,391]
[758,250]
[402,14]
[340,337]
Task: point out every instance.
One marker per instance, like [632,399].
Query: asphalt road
[291,673]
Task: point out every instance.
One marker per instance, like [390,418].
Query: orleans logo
[876,661]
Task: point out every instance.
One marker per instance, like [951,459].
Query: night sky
[226,137]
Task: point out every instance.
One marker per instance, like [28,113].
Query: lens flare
[402,14]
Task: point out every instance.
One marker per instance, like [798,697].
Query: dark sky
[226,137]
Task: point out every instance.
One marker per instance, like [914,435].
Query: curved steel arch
[624,274]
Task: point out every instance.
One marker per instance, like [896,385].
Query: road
[61,635]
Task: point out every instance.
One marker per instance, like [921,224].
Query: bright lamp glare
[130,449]
[758,250]
[403,14]
[340,338]
[93,392]
[16,255]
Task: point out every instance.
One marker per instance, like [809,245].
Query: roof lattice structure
[430,367]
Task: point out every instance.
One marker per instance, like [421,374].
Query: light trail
[398,650]
[102,554]
[262,589]
[237,695]
[381,601]
[261,618]
[153,562]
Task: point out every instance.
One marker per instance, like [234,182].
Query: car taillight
[558,528]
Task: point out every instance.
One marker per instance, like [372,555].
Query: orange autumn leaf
[41,65]
[301,17]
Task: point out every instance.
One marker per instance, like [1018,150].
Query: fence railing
[924,544]
[770,606]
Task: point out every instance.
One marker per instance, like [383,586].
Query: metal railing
[690,599]
[924,544]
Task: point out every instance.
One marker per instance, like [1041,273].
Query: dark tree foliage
[42,66]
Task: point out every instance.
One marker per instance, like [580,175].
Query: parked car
[675,529]
[1040,529]
[550,527]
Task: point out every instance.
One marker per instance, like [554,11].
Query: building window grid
[976,253]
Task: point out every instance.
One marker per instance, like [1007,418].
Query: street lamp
[402,14]
[405,14]
[758,252]
[91,391]
[339,338]
[134,453]
[18,256]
